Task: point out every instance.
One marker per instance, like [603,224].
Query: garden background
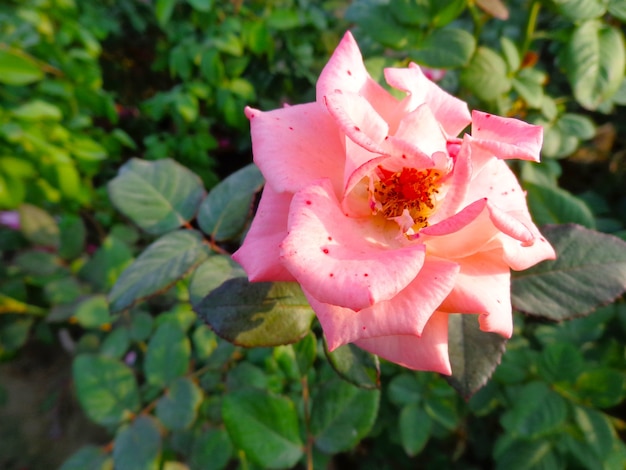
[118,117]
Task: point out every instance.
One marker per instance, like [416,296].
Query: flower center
[410,189]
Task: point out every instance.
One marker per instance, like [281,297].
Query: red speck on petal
[331,275]
[487,116]
[357,128]
[325,250]
[290,128]
[365,274]
[330,239]
[403,156]
[349,73]
[308,203]
[364,328]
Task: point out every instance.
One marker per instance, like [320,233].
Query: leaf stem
[530,27]
[307,420]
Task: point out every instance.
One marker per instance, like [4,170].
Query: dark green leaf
[16,69]
[561,361]
[116,343]
[528,455]
[580,9]
[163,10]
[225,211]
[107,263]
[38,226]
[201,5]
[138,446]
[342,415]
[590,270]
[168,354]
[415,426]
[445,48]
[107,389]
[89,457]
[594,61]
[177,409]
[14,331]
[264,426]
[553,205]
[355,365]
[163,263]
[596,429]
[93,312]
[211,274]
[306,350]
[211,450]
[540,412]
[72,236]
[601,387]
[617,8]
[257,314]
[158,196]
[404,389]
[474,354]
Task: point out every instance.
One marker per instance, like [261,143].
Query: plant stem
[307,419]
[530,27]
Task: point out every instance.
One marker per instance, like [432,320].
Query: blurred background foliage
[99,370]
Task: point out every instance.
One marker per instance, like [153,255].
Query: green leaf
[577,124]
[601,387]
[168,354]
[158,196]
[163,263]
[539,413]
[89,457]
[38,226]
[527,455]
[342,415]
[257,314]
[415,426]
[211,450]
[474,354]
[138,446]
[596,429]
[617,8]
[211,274]
[17,69]
[116,343]
[580,9]
[404,389]
[201,5]
[561,362]
[305,351]
[177,409]
[264,426]
[486,76]
[93,312]
[14,331]
[590,270]
[511,53]
[355,365]
[225,211]
[553,205]
[594,61]
[37,110]
[530,87]
[106,388]
[107,263]
[71,237]
[163,10]
[445,48]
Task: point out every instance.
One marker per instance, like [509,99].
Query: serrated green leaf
[168,354]
[486,76]
[116,343]
[601,387]
[528,455]
[106,388]
[404,389]
[580,9]
[224,212]
[415,426]
[88,457]
[157,196]
[38,226]
[560,362]
[163,10]
[617,8]
[18,70]
[474,354]
[257,314]
[445,48]
[596,429]
[164,262]
[138,446]
[264,426]
[590,270]
[341,415]
[107,263]
[355,365]
[594,60]
[178,407]
[93,312]
[578,125]
[553,205]
[37,110]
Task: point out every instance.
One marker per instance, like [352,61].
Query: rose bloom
[386,218]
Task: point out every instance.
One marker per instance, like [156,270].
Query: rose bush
[386,217]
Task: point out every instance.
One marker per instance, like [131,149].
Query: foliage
[119,123]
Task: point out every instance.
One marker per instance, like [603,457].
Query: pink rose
[385,217]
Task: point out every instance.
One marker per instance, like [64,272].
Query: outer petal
[428,352]
[451,112]
[405,314]
[260,253]
[507,137]
[519,256]
[483,286]
[345,71]
[296,145]
[341,260]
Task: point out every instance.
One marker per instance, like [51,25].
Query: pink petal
[428,352]
[451,112]
[345,71]
[341,260]
[405,314]
[260,253]
[296,145]
[483,287]
[505,137]
[522,256]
